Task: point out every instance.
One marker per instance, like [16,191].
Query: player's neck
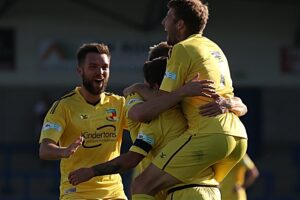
[89,97]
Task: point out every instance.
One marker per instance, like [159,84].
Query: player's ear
[180,24]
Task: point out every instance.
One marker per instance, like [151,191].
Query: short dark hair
[154,70]
[193,12]
[159,50]
[91,48]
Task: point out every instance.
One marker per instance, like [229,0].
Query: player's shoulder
[114,97]
[133,98]
[63,101]
[68,95]
[66,98]
[134,95]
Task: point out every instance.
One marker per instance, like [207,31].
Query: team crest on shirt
[111,115]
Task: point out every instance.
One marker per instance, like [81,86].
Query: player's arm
[49,150]
[144,90]
[150,109]
[251,175]
[221,105]
[118,165]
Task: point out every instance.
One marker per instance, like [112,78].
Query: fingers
[125,92]
[205,94]
[75,145]
[215,96]
[72,178]
[80,175]
[208,86]
[210,113]
[212,109]
[206,81]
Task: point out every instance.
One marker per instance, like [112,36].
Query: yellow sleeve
[54,123]
[132,100]
[177,69]
[138,150]
[144,141]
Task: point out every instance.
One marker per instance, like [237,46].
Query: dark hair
[159,50]
[91,48]
[193,12]
[154,70]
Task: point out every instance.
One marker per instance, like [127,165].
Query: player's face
[169,23]
[95,72]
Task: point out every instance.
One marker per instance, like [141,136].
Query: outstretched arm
[120,164]
[49,150]
[150,109]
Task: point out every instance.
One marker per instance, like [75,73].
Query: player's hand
[72,148]
[80,175]
[214,108]
[197,87]
[133,88]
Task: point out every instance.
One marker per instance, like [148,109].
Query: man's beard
[171,38]
[88,85]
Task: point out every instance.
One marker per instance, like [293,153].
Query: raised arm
[151,108]
[118,165]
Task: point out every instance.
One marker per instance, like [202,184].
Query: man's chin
[170,42]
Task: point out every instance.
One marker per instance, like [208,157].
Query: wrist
[227,103]
[180,93]
[62,152]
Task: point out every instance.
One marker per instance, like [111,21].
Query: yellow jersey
[157,133]
[102,126]
[134,127]
[154,135]
[198,54]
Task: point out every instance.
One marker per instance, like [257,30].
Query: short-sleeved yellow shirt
[198,54]
[102,127]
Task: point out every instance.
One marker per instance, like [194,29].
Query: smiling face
[95,72]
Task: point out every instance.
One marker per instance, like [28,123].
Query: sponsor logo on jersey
[111,114]
[170,75]
[50,125]
[217,55]
[96,138]
[146,138]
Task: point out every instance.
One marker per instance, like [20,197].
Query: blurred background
[38,43]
